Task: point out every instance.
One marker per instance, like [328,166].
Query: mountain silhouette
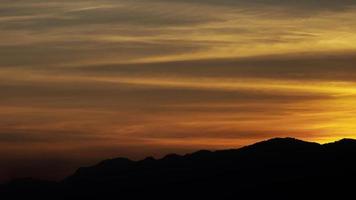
[280,168]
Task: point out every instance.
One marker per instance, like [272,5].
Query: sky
[86,80]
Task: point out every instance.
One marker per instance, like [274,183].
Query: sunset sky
[86,80]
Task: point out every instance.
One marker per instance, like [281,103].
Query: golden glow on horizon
[321,120]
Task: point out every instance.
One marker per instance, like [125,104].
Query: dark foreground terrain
[278,168]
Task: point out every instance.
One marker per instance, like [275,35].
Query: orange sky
[86,80]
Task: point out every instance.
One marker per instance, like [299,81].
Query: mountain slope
[279,168]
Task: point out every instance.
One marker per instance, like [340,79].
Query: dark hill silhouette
[282,168]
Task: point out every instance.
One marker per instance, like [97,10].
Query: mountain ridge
[273,142]
[286,163]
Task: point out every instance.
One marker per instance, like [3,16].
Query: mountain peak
[116,161]
[282,144]
[344,144]
[171,156]
[285,139]
[346,140]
